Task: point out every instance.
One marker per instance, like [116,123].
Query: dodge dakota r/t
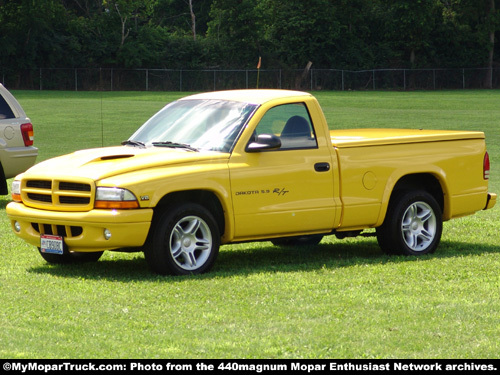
[248,165]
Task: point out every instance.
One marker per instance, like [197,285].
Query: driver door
[286,191]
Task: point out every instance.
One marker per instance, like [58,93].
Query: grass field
[341,299]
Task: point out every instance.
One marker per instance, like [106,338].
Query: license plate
[51,244]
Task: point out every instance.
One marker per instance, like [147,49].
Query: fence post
[147,79]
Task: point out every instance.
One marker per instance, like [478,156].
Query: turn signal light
[16,191]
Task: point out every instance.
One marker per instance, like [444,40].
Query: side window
[5,111]
[290,122]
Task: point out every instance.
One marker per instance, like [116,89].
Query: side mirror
[264,142]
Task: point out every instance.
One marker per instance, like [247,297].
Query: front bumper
[82,231]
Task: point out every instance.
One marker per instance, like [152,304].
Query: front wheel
[413,225]
[185,240]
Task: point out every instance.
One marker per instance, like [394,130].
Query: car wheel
[413,225]
[71,257]
[185,240]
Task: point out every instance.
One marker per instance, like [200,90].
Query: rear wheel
[413,224]
[185,240]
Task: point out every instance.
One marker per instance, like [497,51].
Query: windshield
[195,124]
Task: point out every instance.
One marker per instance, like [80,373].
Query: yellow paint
[263,194]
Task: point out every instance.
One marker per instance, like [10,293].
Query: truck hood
[106,162]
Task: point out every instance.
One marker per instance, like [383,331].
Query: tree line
[201,34]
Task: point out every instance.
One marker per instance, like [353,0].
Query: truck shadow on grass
[241,260]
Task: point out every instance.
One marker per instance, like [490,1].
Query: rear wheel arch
[417,181]
[421,181]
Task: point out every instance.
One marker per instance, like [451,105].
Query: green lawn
[341,299]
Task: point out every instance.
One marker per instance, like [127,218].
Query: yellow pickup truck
[248,165]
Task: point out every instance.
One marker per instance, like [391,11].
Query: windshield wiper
[175,145]
[133,143]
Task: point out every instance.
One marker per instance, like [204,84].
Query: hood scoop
[114,157]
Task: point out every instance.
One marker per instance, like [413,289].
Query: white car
[16,139]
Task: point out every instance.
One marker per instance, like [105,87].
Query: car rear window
[5,110]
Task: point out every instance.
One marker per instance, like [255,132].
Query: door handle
[322,167]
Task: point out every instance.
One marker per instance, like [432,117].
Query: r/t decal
[280,191]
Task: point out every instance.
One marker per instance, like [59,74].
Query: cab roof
[253,96]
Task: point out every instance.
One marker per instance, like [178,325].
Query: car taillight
[486,167]
[28,135]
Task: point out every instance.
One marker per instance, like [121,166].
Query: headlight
[112,197]
[16,191]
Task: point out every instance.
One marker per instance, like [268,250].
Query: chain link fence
[107,79]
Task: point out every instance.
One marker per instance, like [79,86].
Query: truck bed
[371,137]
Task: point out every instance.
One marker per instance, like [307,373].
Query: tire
[71,257]
[310,240]
[185,240]
[413,225]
